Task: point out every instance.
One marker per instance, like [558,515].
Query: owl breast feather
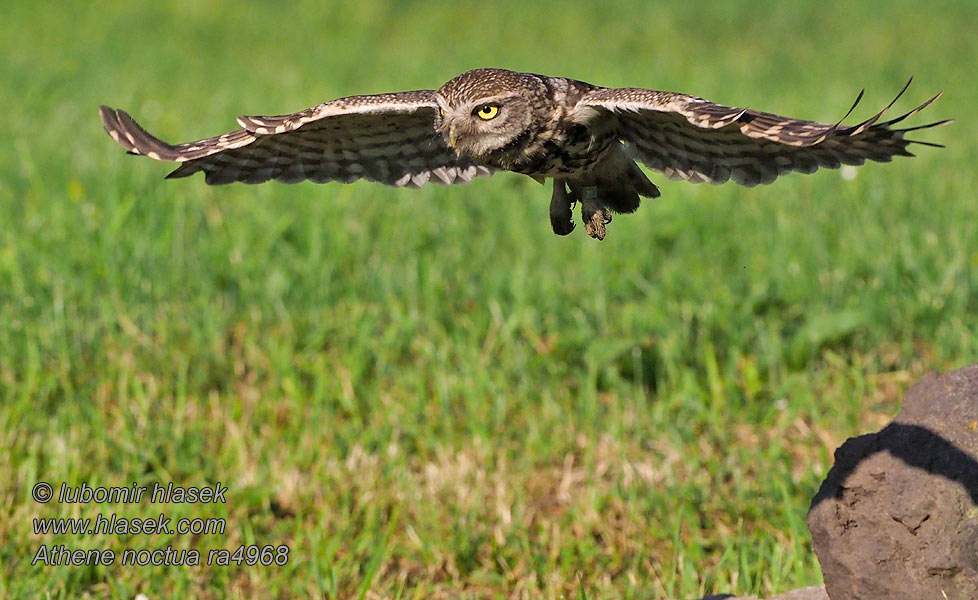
[564,152]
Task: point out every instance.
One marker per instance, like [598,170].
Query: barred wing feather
[388,138]
[693,139]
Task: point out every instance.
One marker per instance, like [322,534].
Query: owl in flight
[586,138]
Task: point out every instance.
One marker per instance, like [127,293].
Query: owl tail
[619,188]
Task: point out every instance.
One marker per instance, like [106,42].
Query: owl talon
[562,227]
[595,226]
[561,217]
[594,215]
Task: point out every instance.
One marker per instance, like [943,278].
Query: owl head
[485,110]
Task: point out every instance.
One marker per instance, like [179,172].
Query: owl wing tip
[111,123]
[131,136]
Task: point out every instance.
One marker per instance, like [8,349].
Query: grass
[426,394]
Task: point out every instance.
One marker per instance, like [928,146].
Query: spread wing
[389,138]
[690,138]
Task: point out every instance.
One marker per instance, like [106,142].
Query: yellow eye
[442,110]
[487,111]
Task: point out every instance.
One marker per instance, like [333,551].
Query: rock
[897,516]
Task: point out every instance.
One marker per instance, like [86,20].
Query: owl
[587,139]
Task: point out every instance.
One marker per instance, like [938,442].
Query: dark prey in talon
[585,137]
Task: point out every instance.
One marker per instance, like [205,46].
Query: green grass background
[425,393]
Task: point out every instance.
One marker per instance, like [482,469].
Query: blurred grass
[426,393]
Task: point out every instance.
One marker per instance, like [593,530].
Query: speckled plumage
[586,138]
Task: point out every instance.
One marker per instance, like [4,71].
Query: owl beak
[451,136]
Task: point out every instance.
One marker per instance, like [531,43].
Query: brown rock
[897,516]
